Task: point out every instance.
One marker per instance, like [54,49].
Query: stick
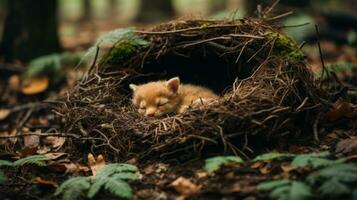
[321,56]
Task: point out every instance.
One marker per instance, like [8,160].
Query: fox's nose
[150,112]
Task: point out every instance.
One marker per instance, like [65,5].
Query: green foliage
[286,189]
[214,163]
[315,160]
[285,47]
[2,177]
[337,68]
[112,178]
[38,160]
[53,65]
[272,156]
[5,163]
[124,42]
[73,188]
[301,32]
[335,180]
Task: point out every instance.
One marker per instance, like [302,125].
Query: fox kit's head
[156,98]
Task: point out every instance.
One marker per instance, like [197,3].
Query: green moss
[285,47]
[120,52]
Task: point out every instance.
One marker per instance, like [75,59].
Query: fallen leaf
[32,86]
[347,146]
[341,109]
[286,167]
[185,187]
[10,139]
[95,164]
[54,142]
[68,168]
[42,181]
[32,139]
[4,113]
[55,156]
[14,83]
[27,151]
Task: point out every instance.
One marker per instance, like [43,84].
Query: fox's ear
[133,87]
[174,84]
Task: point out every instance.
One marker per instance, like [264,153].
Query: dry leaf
[4,113]
[34,85]
[347,146]
[185,187]
[14,83]
[54,156]
[27,152]
[42,181]
[32,139]
[10,140]
[68,168]
[54,142]
[95,164]
[341,109]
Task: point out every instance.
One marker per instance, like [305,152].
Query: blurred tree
[87,10]
[155,10]
[30,29]
[217,6]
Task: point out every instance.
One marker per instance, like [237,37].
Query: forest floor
[30,115]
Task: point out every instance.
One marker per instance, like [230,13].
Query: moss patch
[285,47]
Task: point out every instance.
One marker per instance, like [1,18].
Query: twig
[186,29]
[321,56]
[280,16]
[315,127]
[70,135]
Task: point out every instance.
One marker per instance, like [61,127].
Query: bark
[30,30]
[155,10]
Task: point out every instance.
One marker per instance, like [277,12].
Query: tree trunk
[87,10]
[30,29]
[155,10]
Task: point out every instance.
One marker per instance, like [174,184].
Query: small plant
[272,156]
[214,163]
[286,189]
[38,160]
[112,178]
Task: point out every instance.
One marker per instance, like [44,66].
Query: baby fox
[162,97]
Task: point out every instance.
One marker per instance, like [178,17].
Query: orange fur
[162,97]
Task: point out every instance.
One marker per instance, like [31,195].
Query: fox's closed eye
[161,101]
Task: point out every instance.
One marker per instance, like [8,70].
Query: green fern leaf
[6,163]
[73,188]
[334,188]
[272,156]
[342,172]
[214,163]
[119,188]
[315,160]
[280,193]
[299,191]
[38,160]
[114,168]
[2,177]
[126,176]
[270,185]
[97,185]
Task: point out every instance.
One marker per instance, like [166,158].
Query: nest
[266,90]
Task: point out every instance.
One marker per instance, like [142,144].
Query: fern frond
[38,160]
[115,168]
[73,188]
[272,156]
[96,186]
[214,163]
[2,177]
[126,176]
[119,188]
[6,163]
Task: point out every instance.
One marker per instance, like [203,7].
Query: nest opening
[200,66]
